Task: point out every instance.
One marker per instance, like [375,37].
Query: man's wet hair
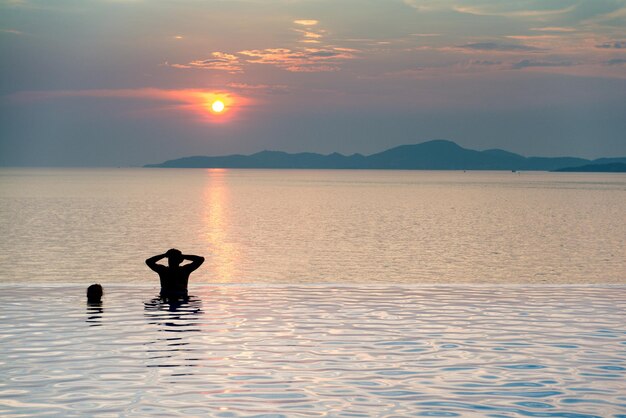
[94,293]
[174,253]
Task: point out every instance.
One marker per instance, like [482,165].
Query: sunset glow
[533,77]
[202,106]
[313,207]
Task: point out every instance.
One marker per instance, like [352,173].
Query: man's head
[174,257]
[94,293]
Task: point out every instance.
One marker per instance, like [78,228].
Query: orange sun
[218,106]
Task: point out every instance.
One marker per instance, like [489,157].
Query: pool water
[315,350]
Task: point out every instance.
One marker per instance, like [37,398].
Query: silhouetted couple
[174,277]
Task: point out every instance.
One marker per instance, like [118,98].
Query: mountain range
[431,155]
[596,168]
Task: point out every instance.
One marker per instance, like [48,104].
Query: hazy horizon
[142,165]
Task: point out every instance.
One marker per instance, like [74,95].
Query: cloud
[324,54]
[312,68]
[337,48]
[503,12]
[221,61]
[485,62]
[263,88]
[553,29]
[17,3]
[499,47]
[549,13]
[314,57]
[306,22]
[613,45]
[533,37]
[12,31]
[528,9]
[530,63]
[301,60]
[616,61]
[309,34]
[614,14]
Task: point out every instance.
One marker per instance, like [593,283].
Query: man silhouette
[174,277]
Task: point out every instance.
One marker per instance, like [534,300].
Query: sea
[348,293]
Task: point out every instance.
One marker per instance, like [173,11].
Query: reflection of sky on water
[296,350]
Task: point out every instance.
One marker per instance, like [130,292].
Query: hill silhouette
[431,155]
[596,168]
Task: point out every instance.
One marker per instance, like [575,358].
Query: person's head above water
[174,257]
[94,293]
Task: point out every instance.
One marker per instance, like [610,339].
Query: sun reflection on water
[217,223]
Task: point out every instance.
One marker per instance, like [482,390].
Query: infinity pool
[285,351]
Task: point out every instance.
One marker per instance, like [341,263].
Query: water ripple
[284,351]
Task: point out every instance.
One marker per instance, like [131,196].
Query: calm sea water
[313,226]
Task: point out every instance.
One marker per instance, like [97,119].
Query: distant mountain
[596,168]
[432,155]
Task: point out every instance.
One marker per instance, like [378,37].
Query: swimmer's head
[174,257]
[94,293]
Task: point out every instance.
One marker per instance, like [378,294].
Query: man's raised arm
[152,261]
[196,261]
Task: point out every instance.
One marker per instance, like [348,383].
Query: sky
[132,82]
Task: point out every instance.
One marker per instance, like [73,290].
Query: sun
[218,106]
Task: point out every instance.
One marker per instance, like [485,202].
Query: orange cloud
[315,56]
[306,22]
[220,61]
[309,34]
